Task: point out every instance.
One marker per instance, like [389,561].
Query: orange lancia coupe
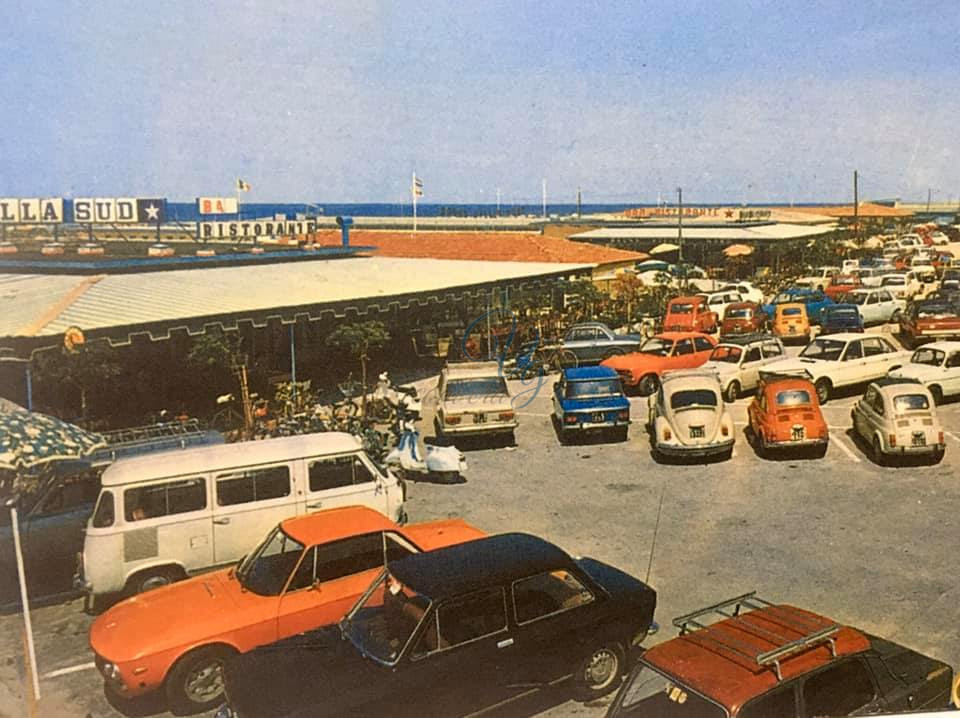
[641,370]
[306,573]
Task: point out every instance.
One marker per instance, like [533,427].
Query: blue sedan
[814,299]
[590,400]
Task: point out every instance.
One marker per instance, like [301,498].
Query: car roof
[219,457]
[691,298]
[679,335]
[741,340]
[720,661]
[791,305]
[706,374]
[834,307]
[484,562]
[786,383]
[742,305]
[796,290]
[580,325]
[585,373]
[944,346]
[849,336]
[472,369]
[333,524]
[890,383]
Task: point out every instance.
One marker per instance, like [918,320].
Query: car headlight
[110,671]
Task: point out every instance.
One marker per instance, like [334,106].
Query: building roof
[734,233]
[483,246]
[36,305]
[478,564]
[864,209]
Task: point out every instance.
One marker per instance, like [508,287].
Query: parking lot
[867,545]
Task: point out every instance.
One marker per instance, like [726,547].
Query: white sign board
[31,211]
[241,229]
[117,210]
[217,205]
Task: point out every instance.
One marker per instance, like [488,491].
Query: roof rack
[774,374]
[121,443]
[812,632]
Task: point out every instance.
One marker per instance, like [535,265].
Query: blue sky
[341,101]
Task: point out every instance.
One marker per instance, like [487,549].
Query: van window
[103,516]
[171,497]
[242,487]
[338,471]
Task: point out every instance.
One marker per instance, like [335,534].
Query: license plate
[696,432]
[919,440]
[596,417]
[798,434]
[793,330]
[479,418]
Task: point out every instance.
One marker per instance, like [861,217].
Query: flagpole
[413,193]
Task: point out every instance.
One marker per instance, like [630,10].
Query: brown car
[743,318]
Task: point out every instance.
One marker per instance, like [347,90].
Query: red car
[743,318]
[929,319]
[661,352]
[841,284]
[785,414]
[689,314]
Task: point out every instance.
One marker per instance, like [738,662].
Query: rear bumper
[479,429]
[801,444]
[911,450]
[701,450]
[590,426]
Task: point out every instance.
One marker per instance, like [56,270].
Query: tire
[732,392]
[937,456]
[937,393]
[824,389]
[195,683]
[820,452]
[895,317]
[621,433]
[877,452]
[437,430]
[151,579]
[599,673]
[649,384]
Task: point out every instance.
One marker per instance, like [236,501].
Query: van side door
[344,480]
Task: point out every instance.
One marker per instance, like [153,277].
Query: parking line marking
[846,450]
[71,669]
[952,435]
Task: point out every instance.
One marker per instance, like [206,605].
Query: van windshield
[265,571]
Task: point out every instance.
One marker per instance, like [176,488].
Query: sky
[341,101]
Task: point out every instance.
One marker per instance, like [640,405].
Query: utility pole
[680,225]
[856,206]
[929,193]
[579,203]
[544,198]
[498,201]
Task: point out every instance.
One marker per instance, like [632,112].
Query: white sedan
[840,360]
[746,290]
[937,366]
[877,306]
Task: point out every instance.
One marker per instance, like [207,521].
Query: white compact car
[847,359]
[473,400]
[819,278]
[719,301]
[687,417]
[738,361]
[746,290]
[896,417]
[877,306]
[937,366]
[902,285]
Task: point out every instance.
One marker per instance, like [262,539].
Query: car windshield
[727,354]
[692,399]
[791,311]
[844,281]
[681,308]
[265,571]
[477,388]
[658,346]
[903,403]
[826,349]
[738,313]
[648,693]
[893,281]
[593,388]
[932,357]
[381,622]
[935,311]
[793,397]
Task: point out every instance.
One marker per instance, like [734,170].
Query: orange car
[790,321]
[307,572]
[661,352]
[785,414]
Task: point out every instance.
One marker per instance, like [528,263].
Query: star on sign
[153,212]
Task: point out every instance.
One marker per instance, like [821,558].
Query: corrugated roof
[37,302]
[754,233]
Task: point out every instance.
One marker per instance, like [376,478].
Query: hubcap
[154,582]
[602,668]
[204,683]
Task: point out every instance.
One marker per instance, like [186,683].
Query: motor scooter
[388,398]
[445,464]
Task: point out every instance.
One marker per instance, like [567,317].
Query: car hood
[723,368]
[682,420]
[801,364]
[595,404]
[170,616]
[633,361]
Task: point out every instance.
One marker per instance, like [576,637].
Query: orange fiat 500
[307,572]
[790,321]
[785,414]
[661,352]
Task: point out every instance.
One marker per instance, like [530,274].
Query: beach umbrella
[737,250]
[664,248]
[29,440]
[873,243]
[652,265]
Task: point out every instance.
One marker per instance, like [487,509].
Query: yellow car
[790,321]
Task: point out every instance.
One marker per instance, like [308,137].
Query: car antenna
[656,530]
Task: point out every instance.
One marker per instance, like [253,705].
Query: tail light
[570,419]
[667,434]
[452,419]
[506,415]
[940,438]
[625,415]
[725,430]
[893,439]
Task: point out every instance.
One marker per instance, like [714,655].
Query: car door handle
[315,505]
[505,643]
[221,521]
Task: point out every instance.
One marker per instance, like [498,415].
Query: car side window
[684,346]
[753,354]
[103,516]
[243,487]
[839,690]
[854,351]
[471,617]
[953,361]
[872,347]
[72,493]
[164,499]
[873,298]
[771,349]
[886,297]
[778,703]
[546,594]
[762,402]
[878,403]
[339,559]
[702,345]
[337,472]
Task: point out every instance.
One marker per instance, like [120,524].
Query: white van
[161,518]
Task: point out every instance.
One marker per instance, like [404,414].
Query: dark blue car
[590,400]
[814,299]
[838,318]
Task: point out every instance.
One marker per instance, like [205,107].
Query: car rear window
[910,402]
[476,388]
[682,308]
[600,387]
[692,397]
[791,311]
[745,313]
[649,693]
[793,397]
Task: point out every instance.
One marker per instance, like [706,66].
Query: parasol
[664,248]
[737,250]
[28,439]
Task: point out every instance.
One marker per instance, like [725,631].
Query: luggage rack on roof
[774,374]
[732,608]
[136,440]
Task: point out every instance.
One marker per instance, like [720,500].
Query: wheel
[649,384]
[620,433]
[937,393]
[937,456]
[567,359]
[823,388]
[895,317]
[877,452]
[820,452]
[599,673]
[151,579]
[732,392]
[195,683]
